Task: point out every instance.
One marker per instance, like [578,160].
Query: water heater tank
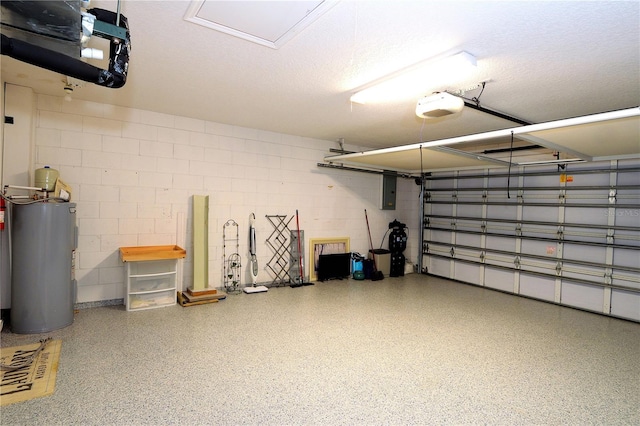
[43,287]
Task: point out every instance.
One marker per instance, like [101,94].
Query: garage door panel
[594,274]
[497,181]
[582,296]
[541,214]
[586,216]
[440,267]
[501,243]
[469,210]
[542,180]
[630,177]
[441,236]
[625,304]
[626,257]
[589,179]
[538,287]
[468,239]
[498,279]
[442,209]
[439,184]
[540,231]
[466,272]
[626,217]
[593,235]
[502,212]
[539,248]
[586,197]
[584,253]
[625,279]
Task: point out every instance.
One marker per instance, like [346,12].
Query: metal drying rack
[278,241]
[232,264]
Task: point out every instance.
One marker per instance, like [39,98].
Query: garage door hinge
[520,196]
[483,226]
[612,196]
[482,256]
[427,196]
[608,276]
[560,232]
[425,248]
[427,222]
[519,229]
[454,195]
[484,194]
[562,197]
[453,225]
[559,268]
[610,236]
[453,252]
[516,261]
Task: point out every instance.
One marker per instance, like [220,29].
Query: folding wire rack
[278,241]
[232,263]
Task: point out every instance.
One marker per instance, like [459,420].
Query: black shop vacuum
[397,245]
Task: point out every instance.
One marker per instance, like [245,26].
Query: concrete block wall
[133,173]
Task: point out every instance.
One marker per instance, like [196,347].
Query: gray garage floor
[412,350]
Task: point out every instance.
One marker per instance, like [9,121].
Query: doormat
[28,371]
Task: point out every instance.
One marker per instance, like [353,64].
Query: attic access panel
[269,23]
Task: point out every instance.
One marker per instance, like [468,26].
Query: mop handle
[299,249]
[373,255]
[252,234]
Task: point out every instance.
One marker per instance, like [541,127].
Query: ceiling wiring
[476,99]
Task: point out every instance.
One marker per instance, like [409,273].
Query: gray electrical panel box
[389,181]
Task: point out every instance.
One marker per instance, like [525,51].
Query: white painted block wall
[133,173]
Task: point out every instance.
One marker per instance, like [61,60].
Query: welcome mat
[28,371]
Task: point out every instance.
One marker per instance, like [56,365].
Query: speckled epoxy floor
[412,350]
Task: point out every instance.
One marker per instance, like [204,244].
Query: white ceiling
[545,60]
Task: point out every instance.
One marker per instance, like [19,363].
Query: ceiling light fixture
[439,105]
[68,91]
[417,79]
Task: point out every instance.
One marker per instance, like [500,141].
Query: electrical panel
[389,182]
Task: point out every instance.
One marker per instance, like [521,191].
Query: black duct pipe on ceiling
[115,77]
[49,59]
